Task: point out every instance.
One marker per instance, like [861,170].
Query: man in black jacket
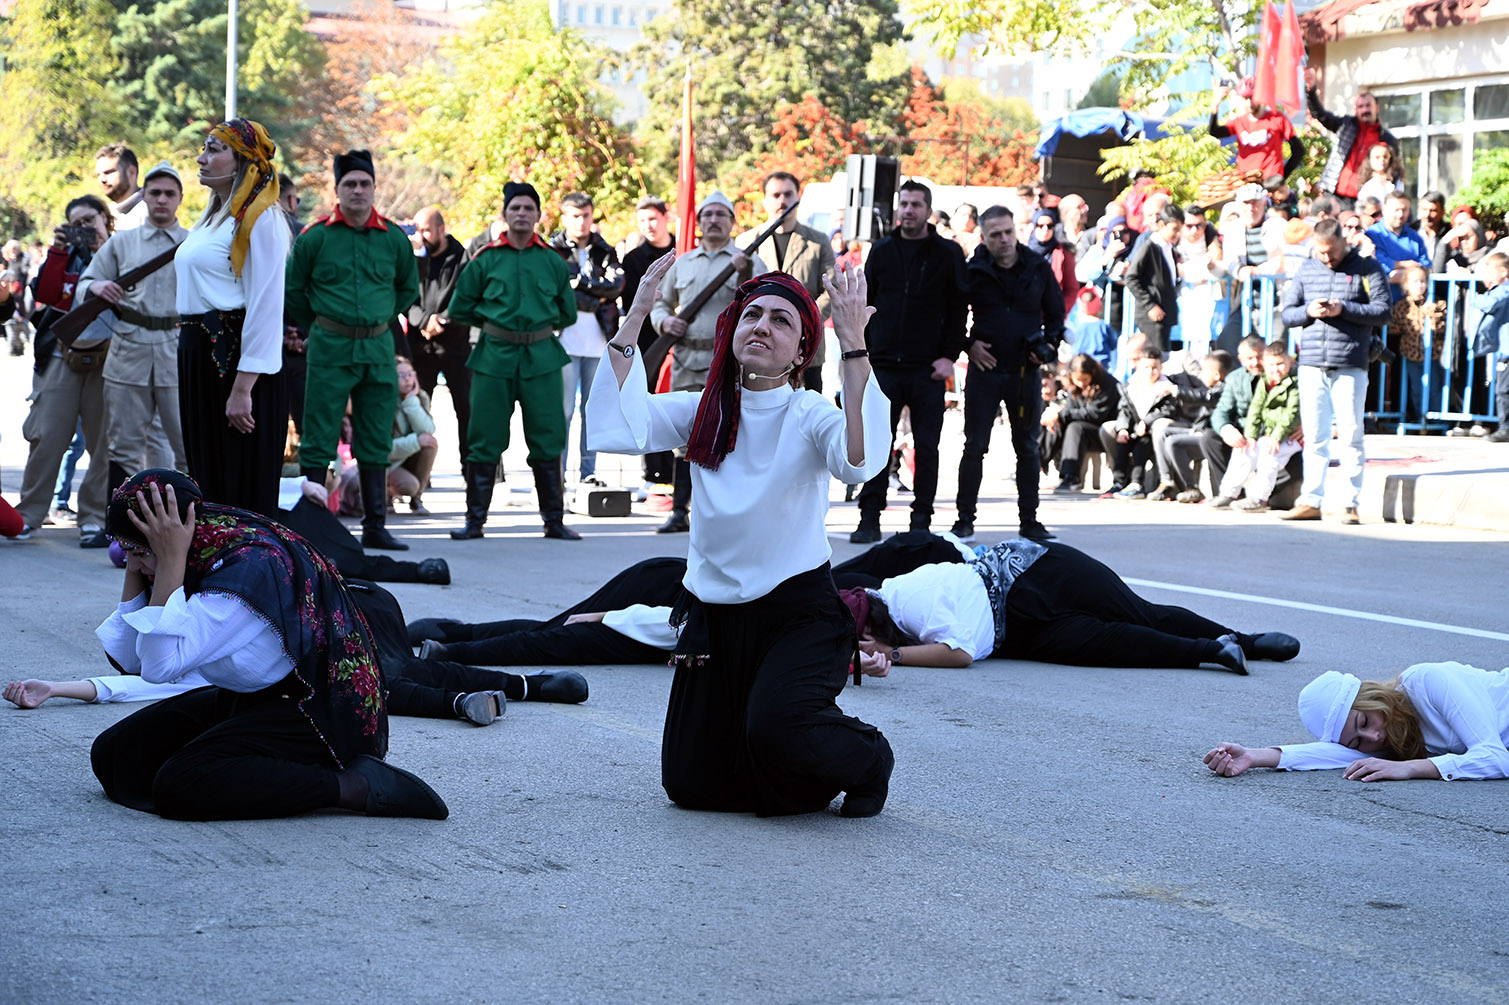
[440,346]
[597,279]
[1019,322]
[1153,277]
[917,285]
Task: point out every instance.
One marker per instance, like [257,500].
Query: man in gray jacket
[1335,300]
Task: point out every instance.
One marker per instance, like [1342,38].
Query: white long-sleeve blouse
[761,517]
[206,282]
[1464,718]
[217,635]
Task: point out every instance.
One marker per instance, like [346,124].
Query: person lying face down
[1047,602]
[1435,720]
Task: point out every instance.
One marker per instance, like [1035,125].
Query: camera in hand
[78,235]
[1040,350]
[1380,353]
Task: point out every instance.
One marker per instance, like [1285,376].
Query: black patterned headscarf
[716,428]
[295,590]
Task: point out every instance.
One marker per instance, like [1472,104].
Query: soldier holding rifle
[689,275]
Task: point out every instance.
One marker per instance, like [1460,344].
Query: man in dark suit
[1153,277]
[440,346]
[800,252]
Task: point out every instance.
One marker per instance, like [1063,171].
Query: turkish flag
[686,176]
[1288,59]
[1267,58]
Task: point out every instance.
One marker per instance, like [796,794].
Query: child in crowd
[1088,331]
[1492,333]
[1413,317]
[414,443]
[1272,431]
[1147,395]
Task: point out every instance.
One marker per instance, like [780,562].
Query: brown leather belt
[147,321]
[350,331]
[513,337]
[701,344]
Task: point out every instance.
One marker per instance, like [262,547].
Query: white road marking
[1344,612]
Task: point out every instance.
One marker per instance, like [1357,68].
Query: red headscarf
[716,427]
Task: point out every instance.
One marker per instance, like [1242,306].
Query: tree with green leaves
[748,57]
[515,99]
[1488,193]
[171,57]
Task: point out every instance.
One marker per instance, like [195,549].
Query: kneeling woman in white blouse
[752,723]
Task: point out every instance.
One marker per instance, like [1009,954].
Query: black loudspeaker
[870,210]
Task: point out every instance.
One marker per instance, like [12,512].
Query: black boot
[480,479]
[681,500]
[434,571]
[375,511]
[316,475]
[550,486]
[118,477]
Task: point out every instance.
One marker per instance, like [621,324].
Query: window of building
[617,15]
[633,18]
[597,14]
[650,14]
[1440,128]
[581,13]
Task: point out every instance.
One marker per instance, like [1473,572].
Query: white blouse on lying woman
[1464,719]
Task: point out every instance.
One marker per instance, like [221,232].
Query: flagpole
[230,61]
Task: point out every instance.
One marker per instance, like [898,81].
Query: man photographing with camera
[1018,324]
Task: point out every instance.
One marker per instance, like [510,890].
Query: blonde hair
[1401,723]
[220,208]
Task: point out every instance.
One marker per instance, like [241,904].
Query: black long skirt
[752,723]
[233,468]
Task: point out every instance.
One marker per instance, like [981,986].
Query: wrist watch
[895,655]
[627,350]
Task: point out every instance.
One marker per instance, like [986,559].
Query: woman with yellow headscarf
[232,398]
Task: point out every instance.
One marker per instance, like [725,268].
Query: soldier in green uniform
[517,291]
[349,275]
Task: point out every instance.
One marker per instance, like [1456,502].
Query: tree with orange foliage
[811,142]
[961,141]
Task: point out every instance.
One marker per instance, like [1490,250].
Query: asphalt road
[1051,834]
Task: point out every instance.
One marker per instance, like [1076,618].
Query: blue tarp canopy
[1092,121]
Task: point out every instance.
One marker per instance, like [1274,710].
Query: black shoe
[394,792]
[1230,657]
[480,479]
[676,523]
[562,687]
[1275,646]
[443,629]
[868,799]
[435,572]
[482,707]
[1064,487]
[550,487]
[1500,435]
[374,482]
[98,539]
[963,529]
[1034,531]
[379,538]
[432,649]
[868,531]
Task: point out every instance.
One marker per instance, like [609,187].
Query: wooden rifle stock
[655,355]
[71,325]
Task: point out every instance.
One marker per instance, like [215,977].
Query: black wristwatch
[627,350]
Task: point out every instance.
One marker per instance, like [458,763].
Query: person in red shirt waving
[1260,133]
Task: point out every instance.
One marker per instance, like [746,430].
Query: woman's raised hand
[848,300]
[649,286]
[167,536]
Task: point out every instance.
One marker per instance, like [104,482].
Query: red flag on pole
[686,176]
[1288,59]
[1267,57]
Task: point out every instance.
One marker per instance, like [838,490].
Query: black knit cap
[518,188]
[353,160]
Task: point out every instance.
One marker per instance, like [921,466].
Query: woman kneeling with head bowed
[295,719]
[752,723]
[1435,720]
